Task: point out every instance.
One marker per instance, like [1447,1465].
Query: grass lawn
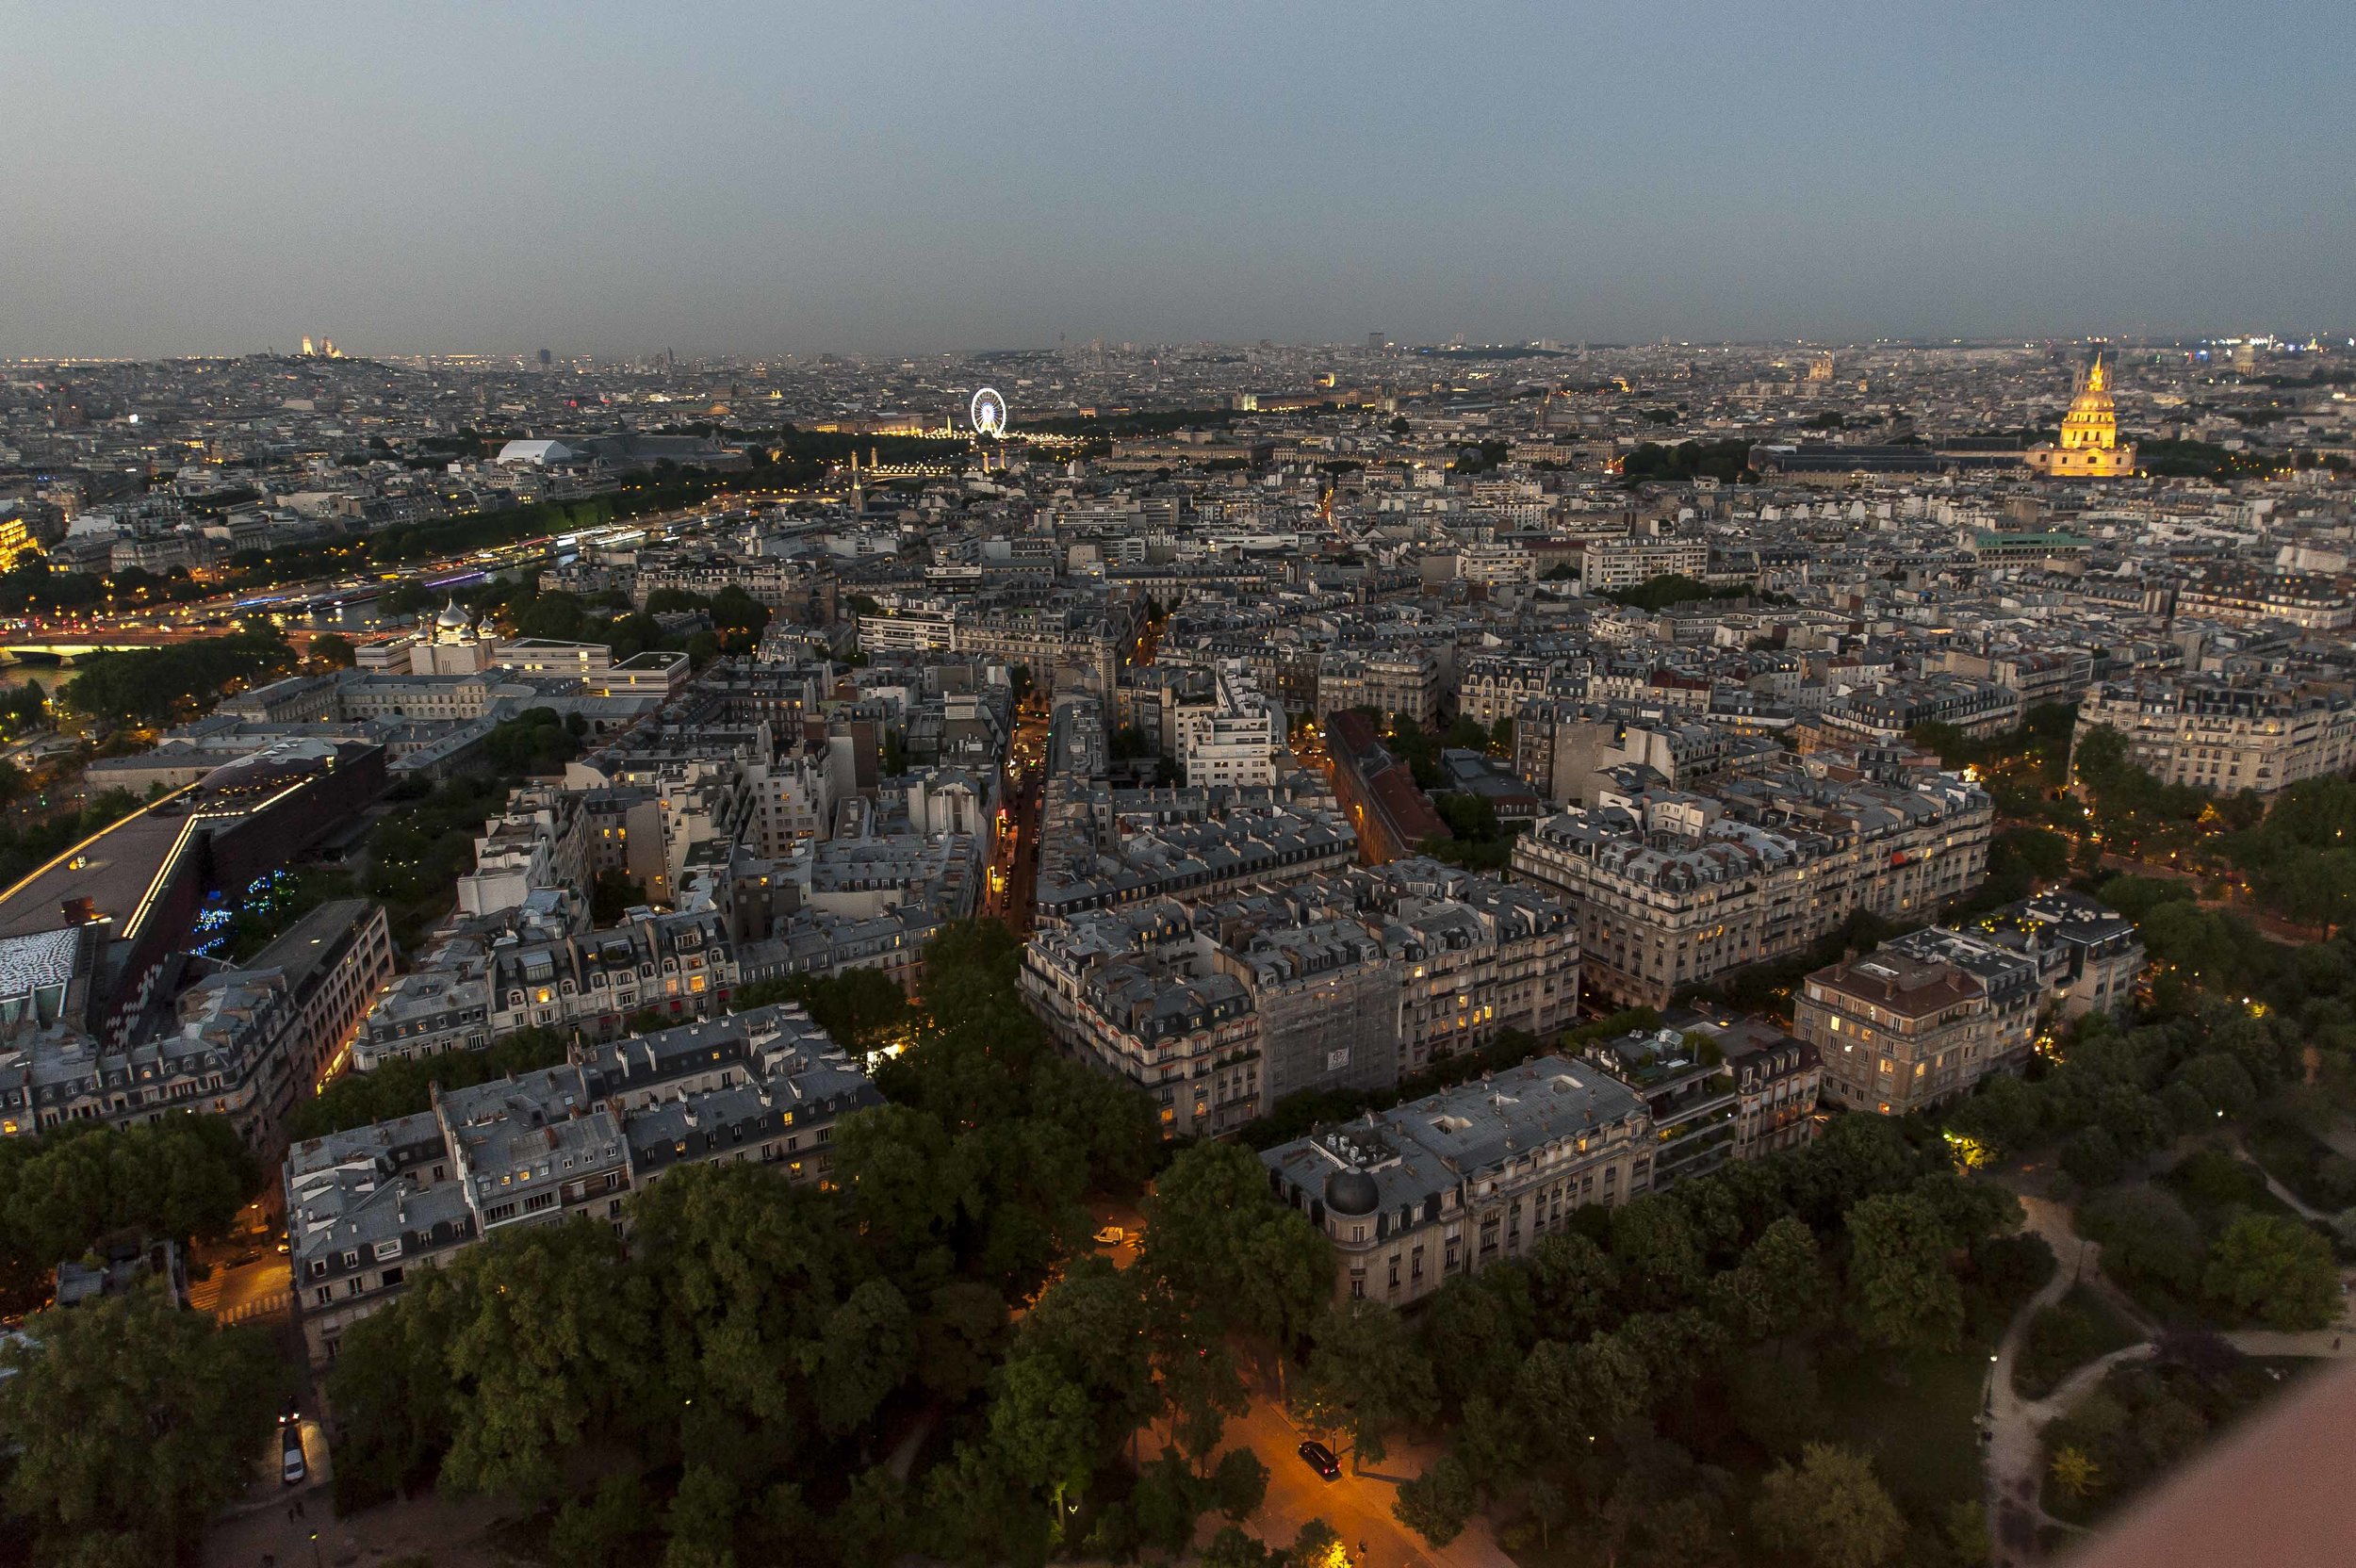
[2300,1161]
[2215,1186]
[1917,1424]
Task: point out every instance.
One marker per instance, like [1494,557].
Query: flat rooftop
[113,869]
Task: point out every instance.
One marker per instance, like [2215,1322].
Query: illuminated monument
[2089,446]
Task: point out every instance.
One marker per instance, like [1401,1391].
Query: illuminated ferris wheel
[990,413]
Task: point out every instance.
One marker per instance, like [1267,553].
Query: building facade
[1459,1180]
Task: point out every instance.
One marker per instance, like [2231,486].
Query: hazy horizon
[600,180]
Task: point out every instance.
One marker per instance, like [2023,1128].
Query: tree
[2221,1081]
[179,1179]
[857,1007]
[1571,1395]
[959,1338]
[1232,1548]
[1168,1499]
[1548,1507]
[1902,1292]
[607,1529]
[1660,1265]
[2075,1471]
[1776,1398]
[2003,1117]
[1573,1283]
[334,649]
[1226,1250]
[1091,1323]
[1366,1377]
[1829,1512]
[1239,1484]
[554,1343]
[1042,1431]
[2273,1269]
[1665,1511]
[133,1421]
[2145,1237]
[1436,1504]
[393,1394]
[613,894]
[871,1523]
[1777,1289]
[1476,1332]
[864,1351]
[2092,1158]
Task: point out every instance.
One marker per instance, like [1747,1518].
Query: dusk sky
[619,179]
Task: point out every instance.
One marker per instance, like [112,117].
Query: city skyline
[612,184]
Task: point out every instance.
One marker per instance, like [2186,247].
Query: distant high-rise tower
[1375,341]
[547,359]
[2089,446]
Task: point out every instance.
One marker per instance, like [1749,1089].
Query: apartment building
[1564,749]
[1717,1090]
[1041,630]
[1897,1034]
[1495,563]
[1624,560]
[1472,1176]
[1777,1080]
[2101,951]
[540,840]
[1475,956]
[673,964]
[367,1208]
[1407,681]
[2309,602]
[1675,888]
[1887,715]
[1495,686]
[426,1012]
[1231,737]
[1136,992]
[2225,734]
[1347,981]
[1188,859]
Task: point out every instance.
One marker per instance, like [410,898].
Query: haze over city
[623,179]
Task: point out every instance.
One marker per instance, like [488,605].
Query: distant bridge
[64,650]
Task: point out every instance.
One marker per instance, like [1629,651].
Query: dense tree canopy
[86,1182]
[132,1421]
[157,685]
[762,1345]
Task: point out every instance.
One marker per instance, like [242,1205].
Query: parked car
[1321,1460]
[1111,1235]
[290,1456]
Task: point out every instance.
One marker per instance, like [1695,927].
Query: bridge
[65,647]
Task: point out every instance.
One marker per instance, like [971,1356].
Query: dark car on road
[1321,1460]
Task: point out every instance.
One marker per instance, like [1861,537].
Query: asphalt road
[1357,1506]
[232,1289]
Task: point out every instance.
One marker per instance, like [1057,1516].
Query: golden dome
[2094,396]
